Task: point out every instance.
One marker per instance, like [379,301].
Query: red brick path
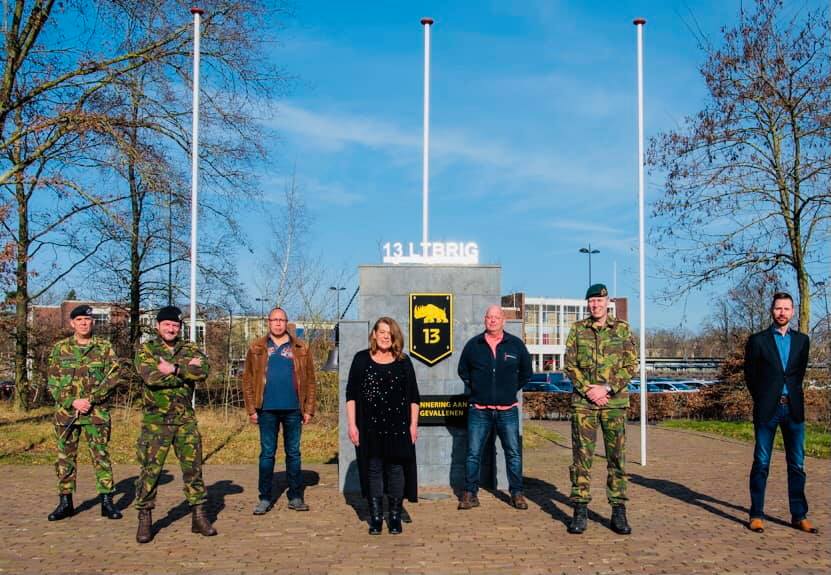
[687,509]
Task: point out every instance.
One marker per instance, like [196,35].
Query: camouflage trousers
[153,446]
[584,423]
[68,437]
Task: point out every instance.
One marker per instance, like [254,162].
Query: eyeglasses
[278,320]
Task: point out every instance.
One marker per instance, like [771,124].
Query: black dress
[383,394]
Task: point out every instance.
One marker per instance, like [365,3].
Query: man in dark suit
[774,366]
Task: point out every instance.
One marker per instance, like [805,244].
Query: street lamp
[337,291]
[589,251]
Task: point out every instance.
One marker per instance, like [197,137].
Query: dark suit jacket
[765,377]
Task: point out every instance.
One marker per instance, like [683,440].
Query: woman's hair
[395,332]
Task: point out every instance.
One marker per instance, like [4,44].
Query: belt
[783,400]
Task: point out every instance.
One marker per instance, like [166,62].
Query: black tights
[380,468]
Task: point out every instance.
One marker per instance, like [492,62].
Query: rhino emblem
[430,313]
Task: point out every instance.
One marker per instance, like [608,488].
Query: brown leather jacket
[253,376]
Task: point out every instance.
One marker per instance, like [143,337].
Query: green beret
[597,290]
[169,313]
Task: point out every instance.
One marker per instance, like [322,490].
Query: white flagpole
[425,184]
[639,24]
[194,172]
[194,176]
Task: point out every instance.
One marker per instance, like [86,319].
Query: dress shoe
[804,525]
[200,522]
[579,520]
[518,501]
[376,515]
[108,508]
[144,533]
[64,509]
[618,523]
[469,500]
[756,525]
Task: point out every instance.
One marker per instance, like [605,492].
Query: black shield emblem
[431,326]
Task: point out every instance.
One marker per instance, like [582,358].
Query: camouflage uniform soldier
[82,372]
[170,368]
[600,359]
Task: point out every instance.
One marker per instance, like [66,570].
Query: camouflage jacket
[82,372]
[167,398]
[598,355]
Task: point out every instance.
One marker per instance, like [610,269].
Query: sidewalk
[688,509]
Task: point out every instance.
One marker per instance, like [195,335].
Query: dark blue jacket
[493,380]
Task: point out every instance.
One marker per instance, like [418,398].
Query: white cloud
[332,132]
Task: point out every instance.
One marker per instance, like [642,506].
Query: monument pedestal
[385,291]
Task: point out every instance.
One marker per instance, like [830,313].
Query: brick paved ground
[688,509]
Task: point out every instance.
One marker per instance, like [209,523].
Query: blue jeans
[269,422]
[793,436]
[480,424]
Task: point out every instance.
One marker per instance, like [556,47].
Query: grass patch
[227,437]
[536,435]
[817,436]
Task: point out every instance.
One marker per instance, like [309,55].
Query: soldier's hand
[165,367]
[82,405]
[197,361]
[253,418]
[596,393]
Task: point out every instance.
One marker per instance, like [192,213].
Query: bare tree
[60,108]
[747,178]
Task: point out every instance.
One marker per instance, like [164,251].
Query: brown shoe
[518,501]
[756,525]
[468,501]
[144,533]
[804,525]
[200,523]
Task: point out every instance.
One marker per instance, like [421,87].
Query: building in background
[547,321]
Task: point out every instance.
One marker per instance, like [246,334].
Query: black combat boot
[108,508]
[144,534]
[376,515]
[580,520]
[619,523]
[394,520]
[64,509]
[200,523]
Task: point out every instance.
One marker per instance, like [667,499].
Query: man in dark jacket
[774,366]
[494,365]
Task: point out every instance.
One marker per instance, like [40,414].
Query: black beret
[169,313]
[597,290]
[80,310]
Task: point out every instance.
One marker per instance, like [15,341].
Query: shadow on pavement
[280,482]
[216,503]
[553,501]
[691,497]
[126,488]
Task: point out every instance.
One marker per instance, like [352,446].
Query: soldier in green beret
[170,368]
[600,360]
[83,370]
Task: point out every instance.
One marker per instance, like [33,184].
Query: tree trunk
[21,332]
[135,229]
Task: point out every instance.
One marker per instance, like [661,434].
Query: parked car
[553,381]
[675,386]
[635,387]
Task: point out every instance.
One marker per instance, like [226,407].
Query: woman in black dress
[382,412]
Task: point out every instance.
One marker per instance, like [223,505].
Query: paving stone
[687,507]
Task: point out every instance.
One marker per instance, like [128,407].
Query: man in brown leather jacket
[278,385]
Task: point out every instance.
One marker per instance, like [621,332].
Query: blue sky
[533,124]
